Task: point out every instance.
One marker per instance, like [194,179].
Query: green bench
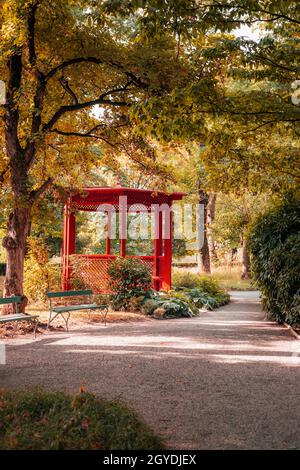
[15,317]
[65,310]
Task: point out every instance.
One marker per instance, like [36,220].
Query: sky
[247,32]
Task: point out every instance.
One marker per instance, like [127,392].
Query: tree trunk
[204,257]
[233,256]
[245,260]
[211,211]
[14,242]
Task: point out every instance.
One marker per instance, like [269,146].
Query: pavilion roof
[89,199]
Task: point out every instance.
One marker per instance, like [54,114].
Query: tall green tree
[60,59]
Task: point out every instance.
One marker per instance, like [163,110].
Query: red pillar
[68,247]
[157,250]
[167,269]
[123,224]
[108,234]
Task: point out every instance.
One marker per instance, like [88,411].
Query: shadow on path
[227,380]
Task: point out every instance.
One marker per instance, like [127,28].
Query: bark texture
[204,256]
[211,211]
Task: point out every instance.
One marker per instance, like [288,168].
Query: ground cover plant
[203,291]
[39,420]
[131,282]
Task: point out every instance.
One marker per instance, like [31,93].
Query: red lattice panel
[149,263]
[94,271]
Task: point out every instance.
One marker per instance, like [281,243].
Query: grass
[40,420]
[230,278]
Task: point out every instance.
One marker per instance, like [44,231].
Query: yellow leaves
[13,26]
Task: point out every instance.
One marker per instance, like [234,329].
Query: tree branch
[31,34]
[76,107]
[274,64]
[95,60]
[38,99]
[38,192]
[276,16]
[65,84]
[14,65]
[88,134]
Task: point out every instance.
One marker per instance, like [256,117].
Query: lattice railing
[92,270]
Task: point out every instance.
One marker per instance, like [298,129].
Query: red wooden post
[108,234]
[157,249]
[68,245]
[168,235]
[123,224]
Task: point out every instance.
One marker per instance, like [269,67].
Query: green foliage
[275,246]
[40,274]
[171,305]
[130,278]
[184,297]
[39,420]
[185,279]
[203,291]
[190,293]
[202,298]
[191,280]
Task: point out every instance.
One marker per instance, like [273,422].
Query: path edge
[292,331]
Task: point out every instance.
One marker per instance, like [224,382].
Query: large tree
[60,60]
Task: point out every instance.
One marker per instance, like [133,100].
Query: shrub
[131,282]
[171,305]
[183,295]
[203,291]
[208,300]
[38,420]
[174,308]
[40,274]
[130,278]
[185,279]
[190,280]
[275,247]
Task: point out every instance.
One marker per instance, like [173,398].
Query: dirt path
[228,380]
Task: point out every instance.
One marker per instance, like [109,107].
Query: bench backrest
[69,293]
[11,300]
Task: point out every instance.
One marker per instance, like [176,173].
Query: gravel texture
[227,380]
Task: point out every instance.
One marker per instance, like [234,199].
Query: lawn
[230,278]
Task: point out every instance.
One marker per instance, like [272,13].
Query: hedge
[275,247]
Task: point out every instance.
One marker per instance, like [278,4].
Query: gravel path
[227,380]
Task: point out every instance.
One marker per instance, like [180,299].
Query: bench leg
[35,324]
[104,315]
[66,319]
[49,320]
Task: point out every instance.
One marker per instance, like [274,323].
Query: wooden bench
[15,317]
[65,310]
